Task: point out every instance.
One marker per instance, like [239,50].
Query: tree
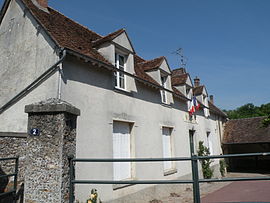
[249,110]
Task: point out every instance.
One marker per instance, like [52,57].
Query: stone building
[130,106]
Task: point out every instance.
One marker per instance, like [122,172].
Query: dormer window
[163,92]
[120,63]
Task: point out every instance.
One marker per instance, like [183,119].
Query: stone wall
[13,145]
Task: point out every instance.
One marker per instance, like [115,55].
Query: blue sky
[227,42]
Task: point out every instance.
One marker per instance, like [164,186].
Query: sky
[226,42]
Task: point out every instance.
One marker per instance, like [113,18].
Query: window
[206,110]
[167,147]
[119,78]
[192,142]
[209,143]
[163,92]
[121,149]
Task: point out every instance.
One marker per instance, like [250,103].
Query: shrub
[204,151]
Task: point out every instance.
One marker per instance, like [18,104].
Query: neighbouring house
[247,135]
[130,106]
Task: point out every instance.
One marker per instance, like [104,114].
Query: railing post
[16,179]
[71,177]
[195,178]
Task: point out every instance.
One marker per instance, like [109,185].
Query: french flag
[194,105]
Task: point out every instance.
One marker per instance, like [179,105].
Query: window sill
[120,186]
[170,172]
[166,105]
[123,91]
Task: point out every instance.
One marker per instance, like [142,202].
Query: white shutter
[167,149]
[121,149]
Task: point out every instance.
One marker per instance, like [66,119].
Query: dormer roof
[179,79]
[152,64]
[199,90]
[108,37]
[112,37]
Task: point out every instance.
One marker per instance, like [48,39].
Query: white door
[121,149]
[167,148]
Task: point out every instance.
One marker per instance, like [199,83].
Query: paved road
[246,191]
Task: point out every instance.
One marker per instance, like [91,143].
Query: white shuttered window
[121,149]
[167,147]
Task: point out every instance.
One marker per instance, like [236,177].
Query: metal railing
[15,175]
[194,165]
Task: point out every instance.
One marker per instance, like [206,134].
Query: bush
[204,151]
[222,167]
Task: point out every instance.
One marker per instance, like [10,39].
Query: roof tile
[244,131]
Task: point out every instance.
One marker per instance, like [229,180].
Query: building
[247,136]
[130,106]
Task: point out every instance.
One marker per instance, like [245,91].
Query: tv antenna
[183,59]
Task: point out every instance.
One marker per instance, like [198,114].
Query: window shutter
[121,149]
[167,149]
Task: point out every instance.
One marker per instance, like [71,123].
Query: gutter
[113,68]
[43,77]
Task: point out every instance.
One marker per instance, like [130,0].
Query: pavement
[226,192]
[244,191]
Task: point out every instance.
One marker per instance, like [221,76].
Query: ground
[225,191]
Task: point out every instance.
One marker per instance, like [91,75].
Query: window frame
[118,75]
[164,98]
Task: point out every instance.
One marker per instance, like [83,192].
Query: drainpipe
[44,76]
[60,72]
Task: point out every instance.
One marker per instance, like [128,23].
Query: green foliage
[266,122]
[248,111]
[222,167]
[204,151]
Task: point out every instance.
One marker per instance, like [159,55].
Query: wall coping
[52,105]
[13,134]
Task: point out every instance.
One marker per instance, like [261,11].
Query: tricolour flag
[193,106]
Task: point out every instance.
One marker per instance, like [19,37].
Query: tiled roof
[244,131]
[71,35]
[216,110]
[176,91]
[198,90]
[179,79]
[178,71]
[65,32]
[108,37]
[152,64]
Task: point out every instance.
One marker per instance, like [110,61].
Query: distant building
[130,106]
[247,136]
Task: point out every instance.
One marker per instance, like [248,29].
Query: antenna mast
[183,59]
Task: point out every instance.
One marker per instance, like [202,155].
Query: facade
[130,107]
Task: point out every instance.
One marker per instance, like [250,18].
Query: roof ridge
[83,26]
[146,61]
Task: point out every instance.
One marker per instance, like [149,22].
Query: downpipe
[44,76]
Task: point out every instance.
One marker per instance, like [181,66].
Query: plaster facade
[28,52]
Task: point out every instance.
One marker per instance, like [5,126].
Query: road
[245,191]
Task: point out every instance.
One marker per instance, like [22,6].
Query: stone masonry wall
[12,145]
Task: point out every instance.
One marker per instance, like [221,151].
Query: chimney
[196,82]
[211,99]
[41,4]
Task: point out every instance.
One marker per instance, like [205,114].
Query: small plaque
[34,132]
